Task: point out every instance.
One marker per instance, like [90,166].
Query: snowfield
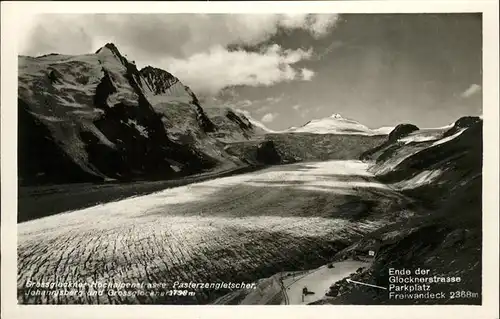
[238,228]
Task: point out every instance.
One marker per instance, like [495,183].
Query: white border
[13,16]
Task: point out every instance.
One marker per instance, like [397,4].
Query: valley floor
[233,229]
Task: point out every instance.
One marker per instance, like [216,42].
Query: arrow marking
[362,283]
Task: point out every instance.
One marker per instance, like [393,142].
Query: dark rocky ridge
[207,125]
[461,123]
[401,130]
[103,90]
[245,127]
[158,80]
[297,147]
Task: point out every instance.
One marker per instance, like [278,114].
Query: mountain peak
[111,47]
[336,116]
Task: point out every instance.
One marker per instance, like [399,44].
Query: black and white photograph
[250,159]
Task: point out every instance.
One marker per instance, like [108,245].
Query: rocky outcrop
[462,123]
[401,130]
[103,90]
[267,153]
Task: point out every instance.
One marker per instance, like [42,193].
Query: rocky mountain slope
[442,172]
[96,117]
[299,147]
[233,126]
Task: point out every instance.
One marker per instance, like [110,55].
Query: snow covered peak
[110,53]
[109,47]
[113,48]
[334,124]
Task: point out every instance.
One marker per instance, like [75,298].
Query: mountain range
[97,117]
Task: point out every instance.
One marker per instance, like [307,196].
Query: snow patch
[141,129]
[449,138]
[175,168]
[420,137]
[384,130]
[422,178]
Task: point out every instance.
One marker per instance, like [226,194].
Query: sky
[284,70]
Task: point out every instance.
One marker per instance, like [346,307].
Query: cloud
[154,35]
[320,24]
[269,117]
[334,45]
[275,99]
[229,97]
[317,24]
[211,71]
[296,107]
[473,89]
[191,44]
[307,74]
